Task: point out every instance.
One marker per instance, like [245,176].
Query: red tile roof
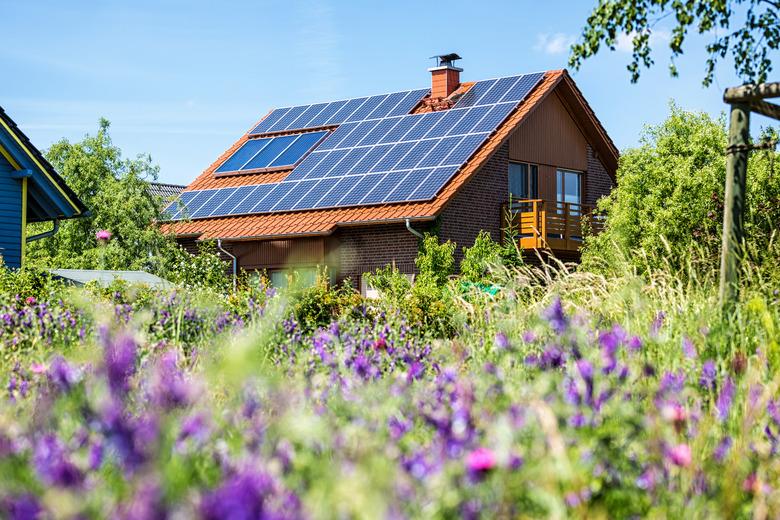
[324,222]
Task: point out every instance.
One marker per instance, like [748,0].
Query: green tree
[115,190]
[669,196]
[749,41]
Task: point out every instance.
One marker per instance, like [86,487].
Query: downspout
[413,231]
[219,246]
[46,234]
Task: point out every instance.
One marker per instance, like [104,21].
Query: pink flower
[103,234]
[38,368]
[481,460]
[380,343]
[674,413]
[680,455]
[30,300]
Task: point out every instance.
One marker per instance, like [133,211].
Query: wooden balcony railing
[544,224]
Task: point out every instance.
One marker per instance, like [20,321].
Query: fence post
[734,203]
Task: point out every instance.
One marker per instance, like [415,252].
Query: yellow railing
[544,224]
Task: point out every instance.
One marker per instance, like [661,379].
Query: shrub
[486,254]
[206,270]
[320,304]
[29,282]
[669,198]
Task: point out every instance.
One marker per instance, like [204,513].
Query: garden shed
[30,191]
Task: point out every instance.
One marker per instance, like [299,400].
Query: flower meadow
[574,396]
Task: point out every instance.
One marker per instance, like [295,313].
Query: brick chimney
[445,77]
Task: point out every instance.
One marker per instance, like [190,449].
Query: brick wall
[597,181]
[366,248]
[478,205]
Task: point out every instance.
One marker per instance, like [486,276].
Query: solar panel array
[390,159]
[338,112]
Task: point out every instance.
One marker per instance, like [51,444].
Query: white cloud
[557,43]
[624,41]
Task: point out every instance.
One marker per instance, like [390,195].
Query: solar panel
[294,195]
[322,187]
[269,121]
[382,188]
[433,183]
[360,189]
[339,112]
[382,155]
[271,152]
[277,192]
[291,115]
[212,203]
[242,155]
[233,200]
[247,204]
[176,207]
[336,193]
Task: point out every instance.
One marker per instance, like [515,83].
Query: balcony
[544,224]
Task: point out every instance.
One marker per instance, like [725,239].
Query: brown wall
[550,137]
[363,249]
[478,205]
[598,183]
[271,254]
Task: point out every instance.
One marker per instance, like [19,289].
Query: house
[30,191]
[351,184]
[166,192]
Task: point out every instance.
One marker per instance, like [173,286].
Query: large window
[523,180]
[568,187]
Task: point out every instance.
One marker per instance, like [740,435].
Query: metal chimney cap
[445,60]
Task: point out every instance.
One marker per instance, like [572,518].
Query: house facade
[523,153]
[30,191]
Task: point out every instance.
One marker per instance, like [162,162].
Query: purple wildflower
[708,375]
[658,322]
[635,344]
[170,390]
[555,316]
[688,348]
[609,344]
[147,503]
[725,399]
[119,359]
[416,371]
[53,465]
[244,495]
[501,341]
[773,408]
[62,375]
[398,427]
[722,449]
[22,507]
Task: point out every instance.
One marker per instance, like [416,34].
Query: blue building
[30,191]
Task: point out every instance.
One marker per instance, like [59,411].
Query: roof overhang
[48,197]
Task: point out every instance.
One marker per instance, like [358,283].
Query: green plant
[206,270]
[669,199]
[29,282]
[320,304]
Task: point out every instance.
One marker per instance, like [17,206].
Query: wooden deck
[544,224]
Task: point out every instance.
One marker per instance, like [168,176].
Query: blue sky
[183,80]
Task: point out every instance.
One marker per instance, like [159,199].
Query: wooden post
[734,203]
